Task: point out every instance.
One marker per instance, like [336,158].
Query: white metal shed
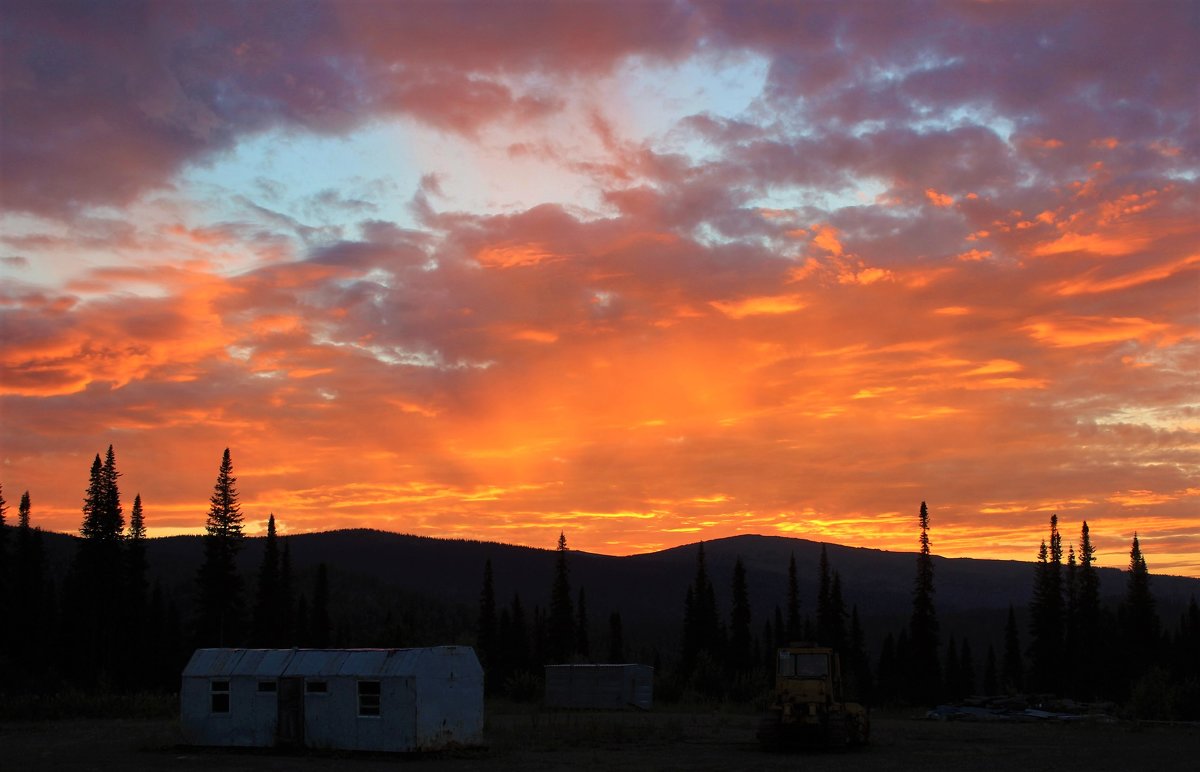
[351,699]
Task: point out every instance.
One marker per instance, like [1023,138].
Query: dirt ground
[625,741]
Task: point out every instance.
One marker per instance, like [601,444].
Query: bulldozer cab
[808,674]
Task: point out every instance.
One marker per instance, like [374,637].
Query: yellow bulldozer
[808,708]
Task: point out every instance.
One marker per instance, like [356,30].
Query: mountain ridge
[973,594]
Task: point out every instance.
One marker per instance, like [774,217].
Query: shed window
[266,686]
[220,696]
[368,698]
[316,687]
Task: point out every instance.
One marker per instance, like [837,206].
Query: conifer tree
[1012,672]
[1139,619]
[825,621]
[135,548]
[991,676]
[858,674]
[561,627]
[837,614]
[951,671]
[1046,613]
[28,575]
[113,515]
[583,644]
[221,604]
[288,630]
[1085,655]
[517,644]
[96,583]
[268,601]
[966,669]
[322,627]
[794,630]
[740,648]
[5,561]
[135,631]
[701,623]
[887,686]
[486,630]
[616,639]
[925,668]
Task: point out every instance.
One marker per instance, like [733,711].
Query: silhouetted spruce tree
[858,675]
[887,673]
[1185,663]
[322,628]
[616,638]
[1046,612]
[583,643]
[966,669]
[517,641]
[1139,626]
[539,640]
[837,615]
[766,654]
[781,633]
[114,519]
[991,676]
[268,599]
[1085,661]
[135,549]
[486,630]
[689,645]
[925,670]
[1012,672]
[31,613]
[702,624]
[302,622]
[96,583]
[135,632]
[740,647]
[221,604]
[950,672]
[561,626]
[5,570]
[795,628]
[824,600]
[1070,621]
[287,609]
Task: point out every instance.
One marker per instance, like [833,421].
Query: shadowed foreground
[659,740]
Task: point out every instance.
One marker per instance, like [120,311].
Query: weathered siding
[428,698]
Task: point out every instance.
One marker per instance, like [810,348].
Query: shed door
[289,729]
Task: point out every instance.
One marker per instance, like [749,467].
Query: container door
[289,730]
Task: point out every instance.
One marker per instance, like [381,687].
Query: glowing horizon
[648,273]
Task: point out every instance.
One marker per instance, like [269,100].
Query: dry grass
[530,739]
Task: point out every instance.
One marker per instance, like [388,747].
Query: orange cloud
[1093,283]
[1090,331]
[938,199]
[1110,246]
[826,238]
[514,255]
[775,304]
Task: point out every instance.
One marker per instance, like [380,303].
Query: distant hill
[972,595]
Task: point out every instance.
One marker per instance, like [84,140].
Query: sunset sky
[645,272]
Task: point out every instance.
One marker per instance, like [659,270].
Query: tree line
[104,626]
[107,626]
[1078,648]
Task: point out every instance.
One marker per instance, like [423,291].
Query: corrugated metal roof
[272,663]
[230,662]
